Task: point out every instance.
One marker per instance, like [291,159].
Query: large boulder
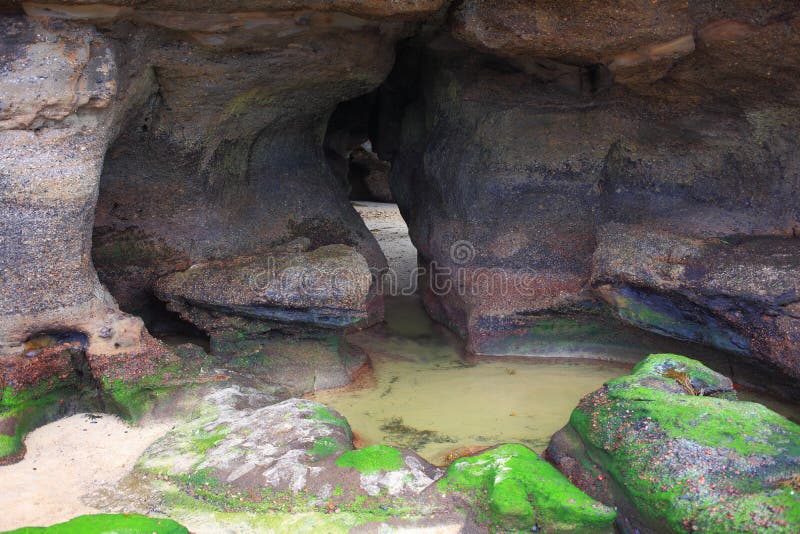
[325,288]
[281,315]
[57,118]
[242,460]
[673,449]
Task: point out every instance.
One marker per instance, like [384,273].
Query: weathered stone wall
[61,97]
[535,127]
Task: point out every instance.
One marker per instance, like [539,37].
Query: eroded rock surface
[226,156]
[506,179]
[672,48]
[240,452]
[60,101]
[281,315]
[739,294]
[328,287]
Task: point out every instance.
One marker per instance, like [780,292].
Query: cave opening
[139,236]
[352,138]
[349,150]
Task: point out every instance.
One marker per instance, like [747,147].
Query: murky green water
[429,397]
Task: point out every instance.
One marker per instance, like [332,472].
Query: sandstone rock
[72,9]
[225,158]
[302,364]
[247,445]
[328,287]
[673,449]
[240,452]
[54,139]
[668,49]
[281,315]
[738,294]
[569,30]
[64,378]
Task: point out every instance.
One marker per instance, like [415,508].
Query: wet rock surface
[517,130]
[563,166]
[738,293]
[246,442]
[673,449]
[294,446]
[552,159]
[281,316]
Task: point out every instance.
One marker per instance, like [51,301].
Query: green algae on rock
[110,524]
[66,378]
[248,463]
[512,488]
[372,459]
[673,461]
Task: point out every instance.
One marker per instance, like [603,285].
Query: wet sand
[66,460]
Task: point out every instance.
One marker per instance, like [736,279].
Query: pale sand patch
[66,460]
[391,232]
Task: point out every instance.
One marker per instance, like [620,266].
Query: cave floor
[424,393]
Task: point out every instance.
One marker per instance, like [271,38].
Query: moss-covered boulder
[511,489]
[110,524]
[671,446]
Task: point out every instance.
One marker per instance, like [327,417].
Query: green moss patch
[512,488]
[324,447]
[745,427]
[323,415]
[110,523]
[200,495]
[203,440]
[132,399]
[372,459]
[9,445]
[29,409]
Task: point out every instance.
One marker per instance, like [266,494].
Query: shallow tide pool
[427,396]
